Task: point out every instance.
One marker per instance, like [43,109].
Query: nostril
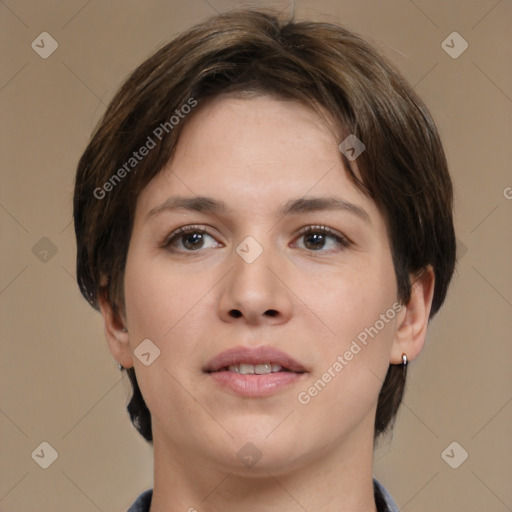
[235,313]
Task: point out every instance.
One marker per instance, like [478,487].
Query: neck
[336,479]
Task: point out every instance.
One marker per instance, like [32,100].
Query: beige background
[59,383]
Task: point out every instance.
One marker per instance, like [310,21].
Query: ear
[412,320]
[117,335]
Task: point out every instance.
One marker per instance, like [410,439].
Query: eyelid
[183,230]
[340,237]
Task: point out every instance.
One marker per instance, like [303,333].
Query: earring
[121,368]
[404,364]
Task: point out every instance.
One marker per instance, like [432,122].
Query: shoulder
[383,499]
[143,502]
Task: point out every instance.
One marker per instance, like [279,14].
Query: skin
[256,154]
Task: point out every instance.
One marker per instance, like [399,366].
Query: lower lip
[254,385]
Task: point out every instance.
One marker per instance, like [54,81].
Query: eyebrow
[315,204]
[294,206]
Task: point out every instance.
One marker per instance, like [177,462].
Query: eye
[189,238]
[317,238]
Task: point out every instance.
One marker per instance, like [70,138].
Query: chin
[260,447]
[262,429]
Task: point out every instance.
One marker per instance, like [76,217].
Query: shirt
[383,500]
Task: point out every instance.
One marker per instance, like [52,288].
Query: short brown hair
[403,168]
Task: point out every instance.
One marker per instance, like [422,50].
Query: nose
[255,292]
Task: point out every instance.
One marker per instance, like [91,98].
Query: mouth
[254,369]
[258,360]
[254,372]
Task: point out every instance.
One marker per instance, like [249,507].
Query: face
[290,271]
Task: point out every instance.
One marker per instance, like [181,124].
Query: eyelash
[342,241]
[185,230]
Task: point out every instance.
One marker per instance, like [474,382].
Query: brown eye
[188,238]
[317,238]
[192,241]
[314,241]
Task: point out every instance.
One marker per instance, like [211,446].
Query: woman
[264,219]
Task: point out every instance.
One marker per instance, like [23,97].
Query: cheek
[358,308]
[167,307]
[349,299]
[171,307]
[158,295]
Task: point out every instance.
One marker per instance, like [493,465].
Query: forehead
[257,151]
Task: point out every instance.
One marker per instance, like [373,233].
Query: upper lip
[253,355]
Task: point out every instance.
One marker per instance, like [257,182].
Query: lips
[254,373]
[263,355]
